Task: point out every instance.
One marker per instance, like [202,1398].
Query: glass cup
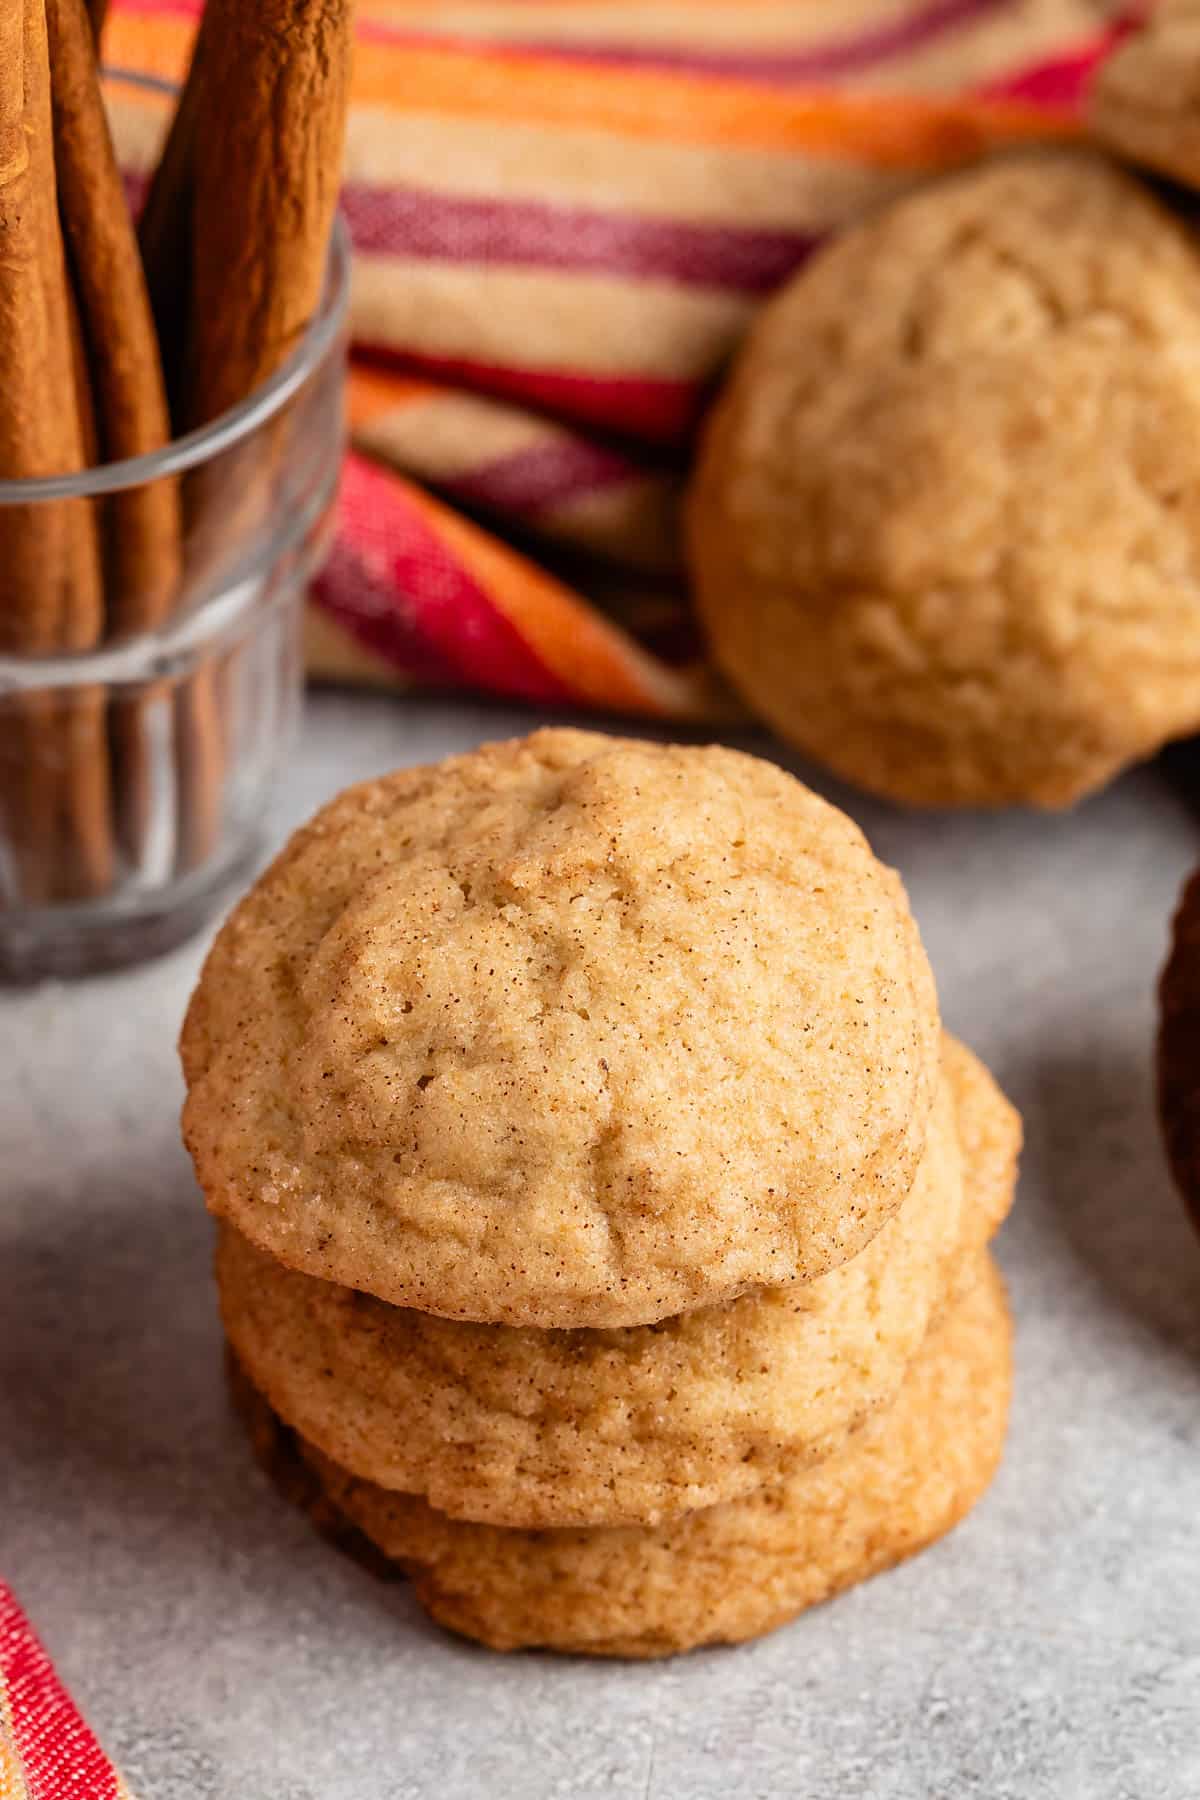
[136,769]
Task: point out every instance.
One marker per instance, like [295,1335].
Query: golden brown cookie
[733,1571]
[945,527]
[533,1428]
[1145,100]
[1179,1047]
[568,1031]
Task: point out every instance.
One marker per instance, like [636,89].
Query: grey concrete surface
[1050,1650]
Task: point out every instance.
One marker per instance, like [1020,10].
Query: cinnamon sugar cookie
[567,1031]
[945,527]
[536,1428]
[733,1571]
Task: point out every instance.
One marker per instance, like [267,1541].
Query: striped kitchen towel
[46,1750]
[565,213]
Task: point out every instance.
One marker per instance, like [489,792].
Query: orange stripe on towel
[149,44]
[599,664]
[370,393]
[885,131]
[888,131]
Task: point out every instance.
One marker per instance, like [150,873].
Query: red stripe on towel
[396,588]
[56,1752]
[456,228]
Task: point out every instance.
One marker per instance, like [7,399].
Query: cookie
[568,1031]
[734,1571]
[945,525]
[533,1428]
[1179,1047]
[1144,103]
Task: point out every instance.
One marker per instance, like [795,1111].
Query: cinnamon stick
[32,538]
[165,238]
[251,169]
[81,608]
[272,96]
[142,526]
[57,807]
[97,13]
[165,232]
[84,863]
[83,852]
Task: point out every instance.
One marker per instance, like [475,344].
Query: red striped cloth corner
[565,214]
[47,1751]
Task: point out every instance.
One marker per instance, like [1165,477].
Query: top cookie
[568,1031]
[1145,100]
[945,529]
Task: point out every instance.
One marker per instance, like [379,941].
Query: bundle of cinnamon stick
[111,343]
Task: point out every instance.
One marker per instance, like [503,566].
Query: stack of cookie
[602,1210]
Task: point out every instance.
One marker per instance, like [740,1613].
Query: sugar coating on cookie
[945,527]
[737,1570]
[1144,103]
[518,1426]
[567,1031]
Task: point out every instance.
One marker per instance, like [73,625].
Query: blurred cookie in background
[945,526]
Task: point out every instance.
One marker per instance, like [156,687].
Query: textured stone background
[1049,1651]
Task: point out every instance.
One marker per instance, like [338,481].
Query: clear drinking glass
[135,772]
